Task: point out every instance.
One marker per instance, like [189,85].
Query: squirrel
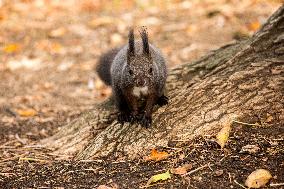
[137,73]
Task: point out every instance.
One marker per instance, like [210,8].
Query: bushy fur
[138,74]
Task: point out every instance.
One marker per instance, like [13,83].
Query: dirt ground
[48,52]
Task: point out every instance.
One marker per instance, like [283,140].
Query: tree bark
[236,82]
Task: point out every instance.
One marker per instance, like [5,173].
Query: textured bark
[234,82]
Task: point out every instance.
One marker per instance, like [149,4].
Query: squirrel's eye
[151,70]
[130,72]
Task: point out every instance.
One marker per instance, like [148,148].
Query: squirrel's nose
[141,82]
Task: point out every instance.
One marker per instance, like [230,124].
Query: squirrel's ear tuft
[131,48]
[144,37]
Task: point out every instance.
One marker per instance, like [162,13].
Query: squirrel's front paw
[146,121]
[163,100]
[135,117]
[124,117]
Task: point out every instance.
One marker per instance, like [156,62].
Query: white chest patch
[140,91]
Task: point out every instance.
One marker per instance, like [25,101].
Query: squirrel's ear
[131,48]
[144,37]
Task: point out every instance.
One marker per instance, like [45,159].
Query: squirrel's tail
[104,65]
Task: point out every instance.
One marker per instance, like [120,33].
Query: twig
[195,170]
[6,143]
[31,159]
[19,139]
[277,184]
[11,158]
[243,123]
[7,174]
[150,185]
[36,146]
[240,184]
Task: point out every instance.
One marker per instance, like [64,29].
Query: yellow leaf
[156,155]
[11,48]
[158,177]
[258,178]
[56,48]
[27,112]
[223,135]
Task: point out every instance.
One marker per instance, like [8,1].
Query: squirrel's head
[140,65]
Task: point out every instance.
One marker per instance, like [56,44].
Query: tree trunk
[236,82]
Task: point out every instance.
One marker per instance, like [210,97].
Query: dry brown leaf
[251,149]
[223,135]
[269,118]
[254,26]
[116,39]
[27,112]
[59,32]
[56,48]
[219,172]
[91,5]
[258,178]
[98,84]
[10,48]
[156,155]
[182,169]
[102,21]
[2,16]
[104,187]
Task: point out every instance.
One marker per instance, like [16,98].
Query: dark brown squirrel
[137,73]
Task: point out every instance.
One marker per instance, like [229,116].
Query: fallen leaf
[258,178]
[219,172]
[269,118]
[91,84]
[182,169]
[59,32]
[251,149]
[156,155]
[98,84]
[27,112]
[254,26]
[150,21]
[33,64]
[158,177]
[223,135]
[102,21]
[90,5]
[57,48]
[116,39]
[104,187]
[2,16]
[10,48]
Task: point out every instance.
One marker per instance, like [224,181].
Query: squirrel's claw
[146,121]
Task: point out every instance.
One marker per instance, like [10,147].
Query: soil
[227,168]
[48,53]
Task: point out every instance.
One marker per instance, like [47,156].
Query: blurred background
[49,48]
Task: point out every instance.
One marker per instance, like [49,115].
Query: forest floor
[48,51]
